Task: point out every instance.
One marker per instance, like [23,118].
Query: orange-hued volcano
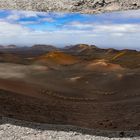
[80,85]
[57,57]
[103,65]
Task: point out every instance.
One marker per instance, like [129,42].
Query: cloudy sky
[115,30]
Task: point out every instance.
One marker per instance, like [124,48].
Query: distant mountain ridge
[8,46]
[79,48]
[126,58]
[44,47]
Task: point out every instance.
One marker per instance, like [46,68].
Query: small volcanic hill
[112,51]
[43,47]
[57,57]
[103,65]
[127,58]
[86,52]
[79,48]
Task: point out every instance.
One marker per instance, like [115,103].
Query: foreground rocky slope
[12,129]
[82,6]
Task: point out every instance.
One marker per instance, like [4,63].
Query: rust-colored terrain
[79,85]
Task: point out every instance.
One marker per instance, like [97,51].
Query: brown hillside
[103,65]
[58,57]
[10,58]
[127,58]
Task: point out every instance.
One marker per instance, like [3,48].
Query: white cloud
[13,17]
[128,14]
[8,29]
[105,28]
[16,15]
[106,35]
[48,19]
[17,34]
[118,28]
[79,25]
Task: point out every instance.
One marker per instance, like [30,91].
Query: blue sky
[116,30]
